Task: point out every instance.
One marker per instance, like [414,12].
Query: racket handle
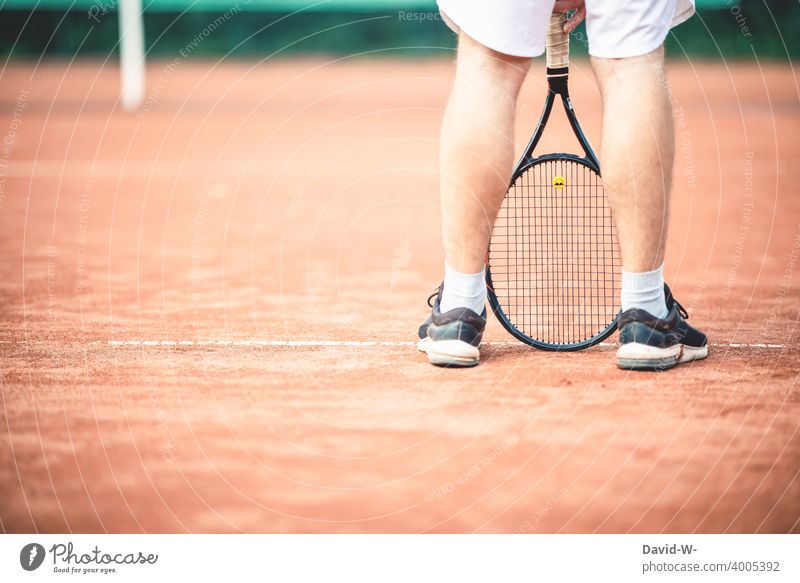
[557,42]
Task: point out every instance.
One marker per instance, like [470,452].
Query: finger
[564,5]
[575,20]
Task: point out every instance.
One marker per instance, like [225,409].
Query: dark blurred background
[736,29]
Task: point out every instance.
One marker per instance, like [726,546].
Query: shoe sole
[451,353]
[637,356]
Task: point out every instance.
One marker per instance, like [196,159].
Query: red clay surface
[297,201]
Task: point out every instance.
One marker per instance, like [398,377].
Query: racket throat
[557,81]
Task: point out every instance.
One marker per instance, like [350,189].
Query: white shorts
[616,28]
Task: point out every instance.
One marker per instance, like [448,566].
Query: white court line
[324,343]
[287,343]
[349,343]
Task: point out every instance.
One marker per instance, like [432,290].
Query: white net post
[131,53]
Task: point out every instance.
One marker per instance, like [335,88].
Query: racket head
[553,264]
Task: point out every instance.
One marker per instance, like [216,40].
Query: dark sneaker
[650,343]
[452,338]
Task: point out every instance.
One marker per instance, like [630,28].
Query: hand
[578,6]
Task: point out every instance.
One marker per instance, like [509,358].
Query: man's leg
[477,157]
[637,152]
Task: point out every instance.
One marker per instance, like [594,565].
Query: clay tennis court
[209,312]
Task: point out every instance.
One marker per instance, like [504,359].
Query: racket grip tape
[557,42]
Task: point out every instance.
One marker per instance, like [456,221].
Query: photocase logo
[31,556]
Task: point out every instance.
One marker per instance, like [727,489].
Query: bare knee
[621,74]
[481,68]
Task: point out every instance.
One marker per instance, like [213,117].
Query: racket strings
[554,257]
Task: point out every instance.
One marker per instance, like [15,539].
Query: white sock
[644,290]
[463,290]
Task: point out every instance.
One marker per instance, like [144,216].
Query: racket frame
[557,80]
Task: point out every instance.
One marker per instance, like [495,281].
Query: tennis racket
[553,264]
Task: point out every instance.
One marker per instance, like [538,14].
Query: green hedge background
[289,27]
